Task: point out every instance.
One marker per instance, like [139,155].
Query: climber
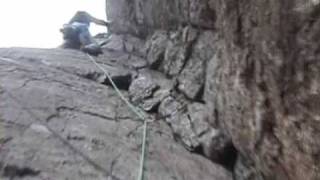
[76,33]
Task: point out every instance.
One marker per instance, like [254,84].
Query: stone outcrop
[257,75]
[60,120]
[142,17]
[266,84]
[227,82]
[175,93]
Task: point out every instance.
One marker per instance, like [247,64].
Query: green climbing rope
[136,110]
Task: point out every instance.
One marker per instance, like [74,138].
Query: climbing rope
[136,110]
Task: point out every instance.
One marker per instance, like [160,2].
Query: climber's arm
[82,16]
[98,21]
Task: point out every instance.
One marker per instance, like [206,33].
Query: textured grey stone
[74,62]
[149,89]
[175,58]
[115,43]
[189,121]
[266,84]
[178,51]
[142,17]
[43,103]
[255,61]
[124,43]
[156,47]
[245,170]
[192,77]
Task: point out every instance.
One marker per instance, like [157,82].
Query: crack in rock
[13,171]
[105,117]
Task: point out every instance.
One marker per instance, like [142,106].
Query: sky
[36,23]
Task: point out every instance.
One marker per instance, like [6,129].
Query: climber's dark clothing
[76,32]
[84,35]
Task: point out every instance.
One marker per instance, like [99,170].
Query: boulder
[114,43]
[189,122]
[178,51]
[192,78]
[124,43]
[149,89]
[156,47]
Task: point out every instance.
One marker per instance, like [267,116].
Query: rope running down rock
[136,110]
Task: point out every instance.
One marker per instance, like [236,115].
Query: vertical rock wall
[253,64]
[142,17]
[265,77]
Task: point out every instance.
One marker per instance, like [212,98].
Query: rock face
[192,77]
[257,74]
[141,17]
[58,120]
[266,84]
[149,89]
[226,82]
